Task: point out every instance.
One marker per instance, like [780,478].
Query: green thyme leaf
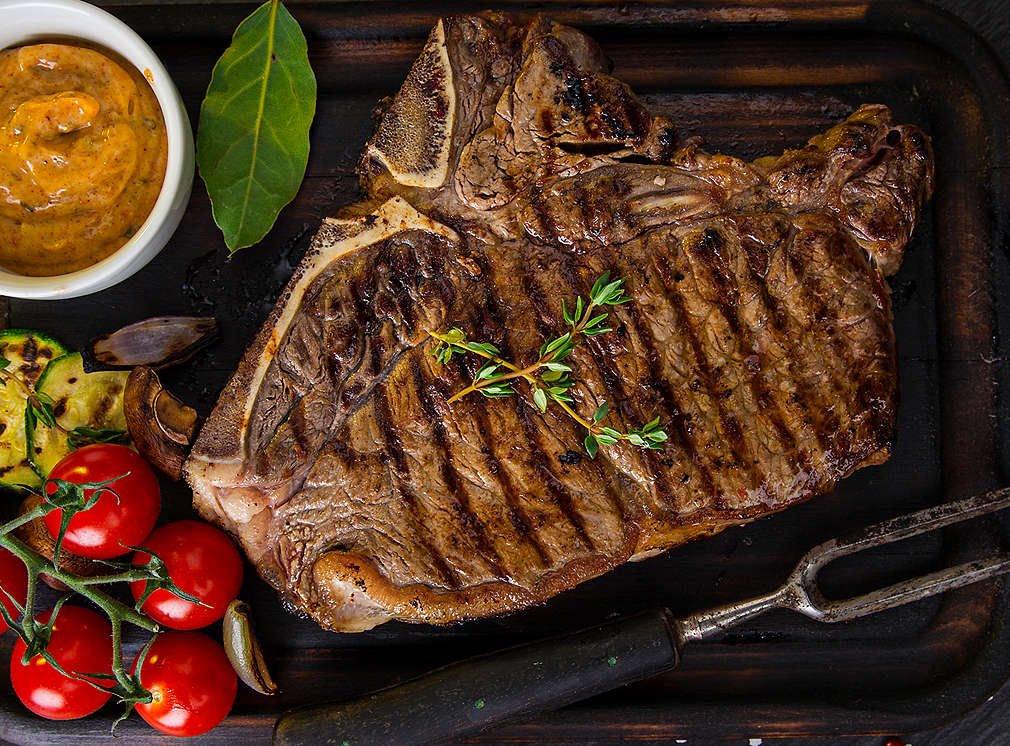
[555,366]
[40,409]
[486,347]
[592,446]
[485,372]
[598,286]
[601,412]
[564,351]
[606,294]
[252,144]
[497,391]
[540,398]
[82,436]
[555,344]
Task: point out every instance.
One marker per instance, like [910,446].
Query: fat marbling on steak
[509,172]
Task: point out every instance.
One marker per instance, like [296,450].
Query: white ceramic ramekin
[31,21]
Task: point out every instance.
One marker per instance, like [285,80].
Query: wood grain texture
[751,78]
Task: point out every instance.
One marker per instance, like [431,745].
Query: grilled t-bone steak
[509,172]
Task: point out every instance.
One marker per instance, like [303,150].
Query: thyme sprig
[549,378]
[71,497]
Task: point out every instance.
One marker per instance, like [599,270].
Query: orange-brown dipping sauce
[82,157]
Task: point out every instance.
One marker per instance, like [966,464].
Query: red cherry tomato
[110,526]
[81,642]
[202,561]
[192,683]
[13,580]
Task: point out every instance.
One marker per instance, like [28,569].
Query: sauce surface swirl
[82,157]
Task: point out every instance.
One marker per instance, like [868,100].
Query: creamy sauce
[82,157]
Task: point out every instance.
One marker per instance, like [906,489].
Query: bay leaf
[252,143]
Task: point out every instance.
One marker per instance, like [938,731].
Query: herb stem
[526,373]
[7,377]
[574,415]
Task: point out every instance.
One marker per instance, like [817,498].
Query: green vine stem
[72,498]
[117,611]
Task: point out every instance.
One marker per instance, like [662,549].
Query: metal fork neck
[715,621]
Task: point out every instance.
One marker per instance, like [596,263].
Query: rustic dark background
[990,723]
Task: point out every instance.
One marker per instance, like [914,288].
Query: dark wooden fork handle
[471,695]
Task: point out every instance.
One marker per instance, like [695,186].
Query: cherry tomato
[202,561]
[81,642]
[192,683]
[13,580]
[110,526]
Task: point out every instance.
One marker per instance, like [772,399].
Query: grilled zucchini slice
[28,353]
[80,399]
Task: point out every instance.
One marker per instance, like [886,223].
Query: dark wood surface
[751,79]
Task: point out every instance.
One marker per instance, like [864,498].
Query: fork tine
[900,528]
[908,590]
[800,592]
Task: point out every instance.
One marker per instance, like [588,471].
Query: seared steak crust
[759,332]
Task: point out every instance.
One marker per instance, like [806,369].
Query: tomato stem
[128,687]
[37,564]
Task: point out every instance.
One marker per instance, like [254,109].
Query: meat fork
[474,694]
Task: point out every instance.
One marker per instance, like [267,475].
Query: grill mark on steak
[393,448]
[570,286]
[710,251]
[814,294]
[542,212]
[660,474]
[400,279]
[463,507]
[558,493]
[518,517]
[740,448]
[787,335]
[671,402]
[491,319]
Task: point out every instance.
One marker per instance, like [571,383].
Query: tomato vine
[71,498]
